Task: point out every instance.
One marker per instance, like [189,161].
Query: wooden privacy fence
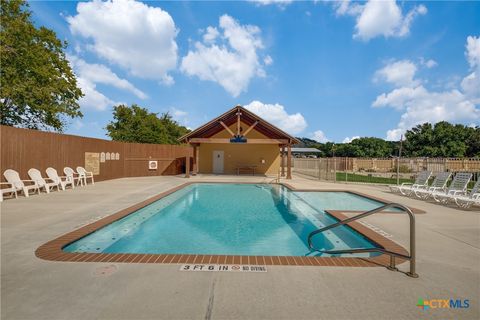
[22,149]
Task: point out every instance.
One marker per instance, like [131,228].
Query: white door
[217,162]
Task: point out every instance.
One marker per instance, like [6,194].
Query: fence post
[346,169]
[398,160]
[335,169]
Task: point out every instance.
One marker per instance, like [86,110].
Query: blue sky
[324,70]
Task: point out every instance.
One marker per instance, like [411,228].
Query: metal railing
[410,257]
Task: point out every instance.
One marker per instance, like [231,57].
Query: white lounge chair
[10,189]
[84,174]
[439,185]
[36,175]
[72,176]
[458,187]
[407,188]
[13,178]
[465,200]
[62,181]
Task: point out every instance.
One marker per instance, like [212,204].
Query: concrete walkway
[448,251]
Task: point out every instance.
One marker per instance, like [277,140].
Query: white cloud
[130,34]
[346,7]
[180,116]
[399,73]
[230,59]
[268,60]
[281,3]
[430,63]
[348,139]
[379,18]
[98,73]
[319,136]
[92,98]
[278,116]
[420,105]
[473,51]
[471,86]
[210,35]
[471,83]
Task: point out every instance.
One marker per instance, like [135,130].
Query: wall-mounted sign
[112,156]
[107,156]
[102,157]
[117,156]
[92,162]
[152,165]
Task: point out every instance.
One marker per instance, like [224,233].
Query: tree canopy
[38,89]
[426,140]
[136,124]
[442,140]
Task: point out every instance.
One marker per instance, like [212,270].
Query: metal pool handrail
[410,257]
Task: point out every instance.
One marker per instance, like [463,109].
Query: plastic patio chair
[84,174]
[11,189]
[36,175]
[72,176]
[13,178]
[62,181]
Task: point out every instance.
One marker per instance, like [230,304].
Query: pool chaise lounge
[462,199]
[439,185]
[408,188]
[457,187]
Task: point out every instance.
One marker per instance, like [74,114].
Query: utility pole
[398,159]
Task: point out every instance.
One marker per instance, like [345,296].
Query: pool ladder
[410,257]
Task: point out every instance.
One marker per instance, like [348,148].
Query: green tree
[371,147]
[37,86]
[136,124]
[442,140]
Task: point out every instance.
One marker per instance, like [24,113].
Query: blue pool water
[231,219]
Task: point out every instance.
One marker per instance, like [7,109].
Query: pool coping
[52,250]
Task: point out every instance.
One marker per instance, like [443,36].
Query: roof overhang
[204,133]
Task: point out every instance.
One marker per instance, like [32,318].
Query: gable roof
[230,117]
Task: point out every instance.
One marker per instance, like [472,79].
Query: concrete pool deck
[448,262]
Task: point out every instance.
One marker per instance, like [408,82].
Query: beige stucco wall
[236,154]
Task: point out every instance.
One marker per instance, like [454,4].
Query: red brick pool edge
[52,250]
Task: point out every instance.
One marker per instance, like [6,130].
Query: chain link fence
[383,171]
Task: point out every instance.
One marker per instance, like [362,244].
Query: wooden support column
[195,159]
[282,164]
[289,161]
[187,167]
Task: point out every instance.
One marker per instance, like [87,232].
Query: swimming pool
[231,219]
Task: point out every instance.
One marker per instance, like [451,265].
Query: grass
[352,177]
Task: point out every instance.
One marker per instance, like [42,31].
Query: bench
[246,168]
